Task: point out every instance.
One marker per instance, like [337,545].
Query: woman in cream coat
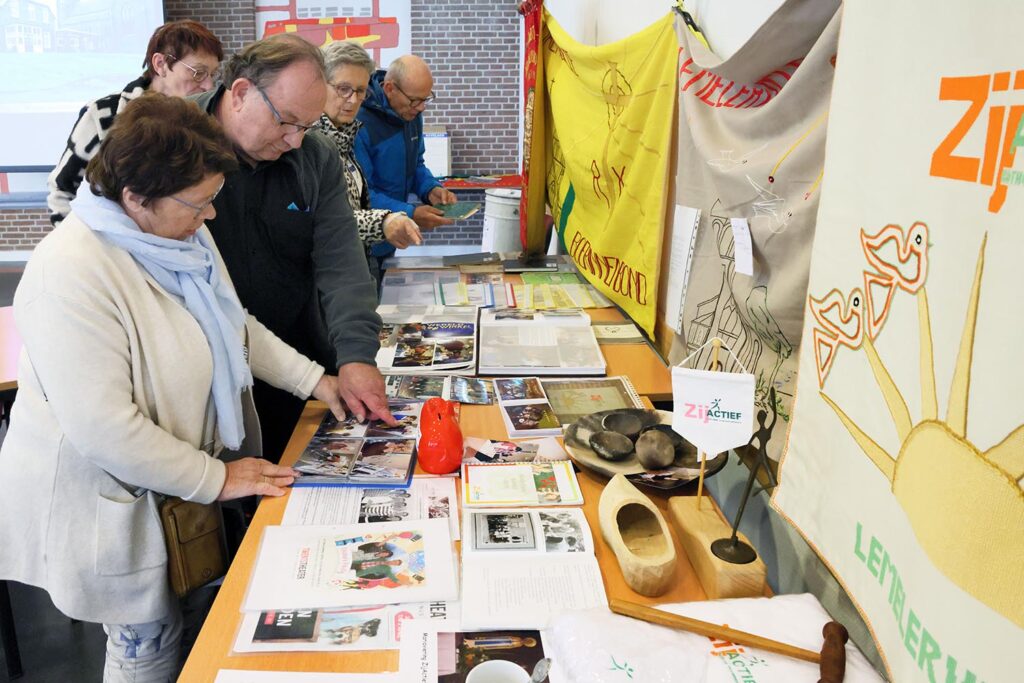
[136,363]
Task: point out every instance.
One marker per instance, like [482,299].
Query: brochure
[547,296]
[378,627]
[554,342]
[426,498]
[617,333]
[523,567]
[370,454]
[520,484]
[458,210]
[572,399]
[323,567]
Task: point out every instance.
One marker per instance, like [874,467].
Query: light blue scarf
[186,268]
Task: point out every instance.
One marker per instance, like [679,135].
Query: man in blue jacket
[389,146]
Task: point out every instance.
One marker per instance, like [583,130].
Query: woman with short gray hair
[349,68]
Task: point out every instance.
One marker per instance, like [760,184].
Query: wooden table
[212,650]
[640,362]
[10,349]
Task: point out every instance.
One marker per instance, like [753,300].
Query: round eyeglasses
[415,101]
[345,91]
[199,74]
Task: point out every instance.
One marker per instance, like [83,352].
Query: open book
[520,567]
[528,342]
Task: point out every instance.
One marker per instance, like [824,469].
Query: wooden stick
[716,345]
[700,479]
[704,628]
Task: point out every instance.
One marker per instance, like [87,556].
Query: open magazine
[521,567]
[528,342]
[424,340]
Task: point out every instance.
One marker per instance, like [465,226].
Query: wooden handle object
[705,628]
[833,653]
[831,659]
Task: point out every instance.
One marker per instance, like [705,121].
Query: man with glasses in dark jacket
[287,233]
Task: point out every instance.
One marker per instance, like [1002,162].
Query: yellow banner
[609,123]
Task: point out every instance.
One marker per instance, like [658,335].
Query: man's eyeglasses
[199,208]
[346,91]
[289,126]
[198,75]
[416,101]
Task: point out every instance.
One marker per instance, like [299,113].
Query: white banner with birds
[913,323]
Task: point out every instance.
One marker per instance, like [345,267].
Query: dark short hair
[158,146]
[262,61]
[180,38]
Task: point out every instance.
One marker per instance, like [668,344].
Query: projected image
[57,55]
[67,52]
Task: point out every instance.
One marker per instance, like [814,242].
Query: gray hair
[261,62]
[396,71]
[346,52]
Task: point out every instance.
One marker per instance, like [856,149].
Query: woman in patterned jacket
[181,59]
[349,68]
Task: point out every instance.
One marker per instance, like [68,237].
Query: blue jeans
[144,653]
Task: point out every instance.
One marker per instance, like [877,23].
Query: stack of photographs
[369,455]
[525,408]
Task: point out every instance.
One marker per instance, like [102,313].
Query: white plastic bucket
[501,221]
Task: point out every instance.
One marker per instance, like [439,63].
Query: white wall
[727,24]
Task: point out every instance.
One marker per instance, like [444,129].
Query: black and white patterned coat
[94,121]
[370,221]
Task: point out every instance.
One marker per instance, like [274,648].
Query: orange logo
[1002,136]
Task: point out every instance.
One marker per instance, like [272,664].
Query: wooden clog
[636,532]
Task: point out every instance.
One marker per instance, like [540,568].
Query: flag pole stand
[699,526]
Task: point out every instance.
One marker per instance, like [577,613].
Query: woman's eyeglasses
[346,91]
[199,74]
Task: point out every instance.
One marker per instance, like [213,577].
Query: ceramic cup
[498,671]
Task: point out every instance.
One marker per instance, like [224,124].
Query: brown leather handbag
[196,551]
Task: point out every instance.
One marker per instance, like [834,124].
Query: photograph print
[503,531]
[562,533]
[518,388]
[379,561]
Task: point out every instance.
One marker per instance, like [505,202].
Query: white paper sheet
[529,593]
[743,250]
[684,235]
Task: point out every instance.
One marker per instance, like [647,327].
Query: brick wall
[473,50]
[233,21]
[21,229]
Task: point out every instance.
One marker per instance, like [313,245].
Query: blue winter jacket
[390,151]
